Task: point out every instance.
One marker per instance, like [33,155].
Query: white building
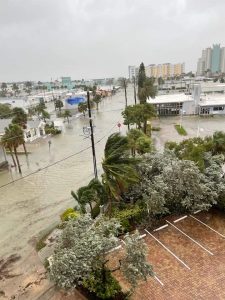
[34,129]
[131,72]
[197,103]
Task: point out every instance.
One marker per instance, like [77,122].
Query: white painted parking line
[177,220]
[223,236]
[190,238]
[157,278]
[142,236]
[167,249]
[196,212]
[164,226]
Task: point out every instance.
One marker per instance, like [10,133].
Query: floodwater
[35,202]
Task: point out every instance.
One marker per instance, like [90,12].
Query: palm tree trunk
[145,127]
[13,159]
[17,160]
[67,119]
[25,149]
[125,91]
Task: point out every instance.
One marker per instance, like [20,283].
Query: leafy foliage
[91,194]
[146,86]
[5,111]
[103,284]
[138,114]
[118,167]
[171,185]
[134,265]
[68,214]
[180,130]
[138,142]
[195,148]
[80,255]
[19,116]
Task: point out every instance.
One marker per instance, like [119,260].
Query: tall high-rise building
[131,72]
[212,60]
[222,60]
[216,58]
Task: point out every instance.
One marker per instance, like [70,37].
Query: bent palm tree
[13,138]
[6,141]
[118,166]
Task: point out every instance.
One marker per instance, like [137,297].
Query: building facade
[131,72]
[212,61]
[165,70]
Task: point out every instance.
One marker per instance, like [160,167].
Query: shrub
[50,129]
[180,130]
[129,217]
[95,211]
[103,284]
[69,213]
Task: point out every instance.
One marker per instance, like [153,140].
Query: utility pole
[135,95]
[92,136]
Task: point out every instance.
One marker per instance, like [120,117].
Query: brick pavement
[206,277]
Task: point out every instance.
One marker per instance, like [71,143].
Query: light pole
[135,95]
[92,136]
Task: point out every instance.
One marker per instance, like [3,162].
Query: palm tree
[97,99]
[123,83]
[82,107]
[45,115]
[12,138]
[67,114]
[6,142]
[118,166]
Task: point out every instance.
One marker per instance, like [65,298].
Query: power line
[57,162]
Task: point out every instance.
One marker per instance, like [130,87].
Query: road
[31,204]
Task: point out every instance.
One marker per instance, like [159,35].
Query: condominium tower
[165,70]
[212,61]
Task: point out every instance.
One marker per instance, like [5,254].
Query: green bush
[50,129]
[103,284]
[180,130]
[68,214]
[129,217]
[95,211]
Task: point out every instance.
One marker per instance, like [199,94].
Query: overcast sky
[44,39]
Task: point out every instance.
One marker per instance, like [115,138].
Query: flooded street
[33,203]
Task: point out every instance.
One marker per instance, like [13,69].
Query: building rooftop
[170,98]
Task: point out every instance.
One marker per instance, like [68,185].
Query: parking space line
[196,212]
[177,220]
[190,238]
[164,226]
[208,226]
[167,249]
[157,278]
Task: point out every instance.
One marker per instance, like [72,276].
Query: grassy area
[180,130]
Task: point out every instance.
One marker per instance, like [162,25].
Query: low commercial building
[196,103]
[174,104]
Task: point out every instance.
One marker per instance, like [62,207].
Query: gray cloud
[44,39]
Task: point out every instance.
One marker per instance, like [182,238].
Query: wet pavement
[30,205]
[183,269]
